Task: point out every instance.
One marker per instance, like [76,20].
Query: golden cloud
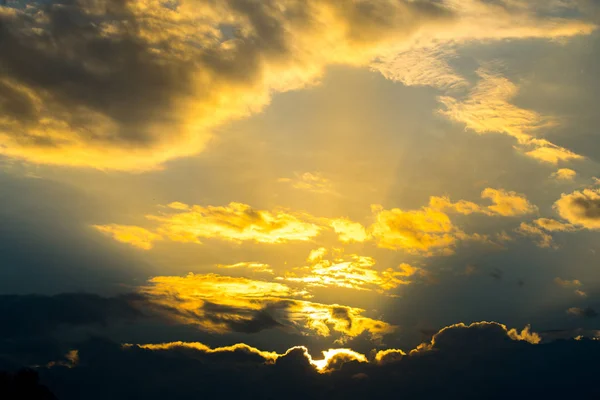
[235,222]
[178,72]
[220,304]
[349,231]
[351,272]
[553,225]
[415,231]
[508,204]
[543,239]
[253,266]
[133,235]
[564,174]
[488,110]
[580,208]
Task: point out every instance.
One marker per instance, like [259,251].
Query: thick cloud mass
[483,360]
[95,80]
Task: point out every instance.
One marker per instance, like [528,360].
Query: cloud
[553,225]
[415,231]
[543,239]
[564,174]
[235,222]
[567,283]
[582,312]
[349,231]
[253,266]
[462,361]
[133,235]
[351,272]
[487,109]
[551,153]
[421,66]
[508,203]
[462,206]
[312,182]
[37,315]
[581,208]
[129,85]
[118,75]
[427,230]
[217,303]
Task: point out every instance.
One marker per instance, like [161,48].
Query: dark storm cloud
[70,58]
[462,362]
[32,315]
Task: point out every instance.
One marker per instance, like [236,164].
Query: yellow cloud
[507,203]
[462,206]
[133,235]
[349,231]
[488,110]
[415,231]
[253,266]
[551,153]
[421,66]
[553,225]
[185,76]
[564,174]
[351,272]
[544,240]
[235,222]
[580,208]
[219,304]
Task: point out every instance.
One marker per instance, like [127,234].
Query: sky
[311,198]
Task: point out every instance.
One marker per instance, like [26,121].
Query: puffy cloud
[564,174]
[351,272]
[218,303]
[508,203]
[551,153]
[553,225]
[312,182]
[415,231]
[462,206]
[580,208]
[133,235]
[349,231]
[461,361]
[543,239]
